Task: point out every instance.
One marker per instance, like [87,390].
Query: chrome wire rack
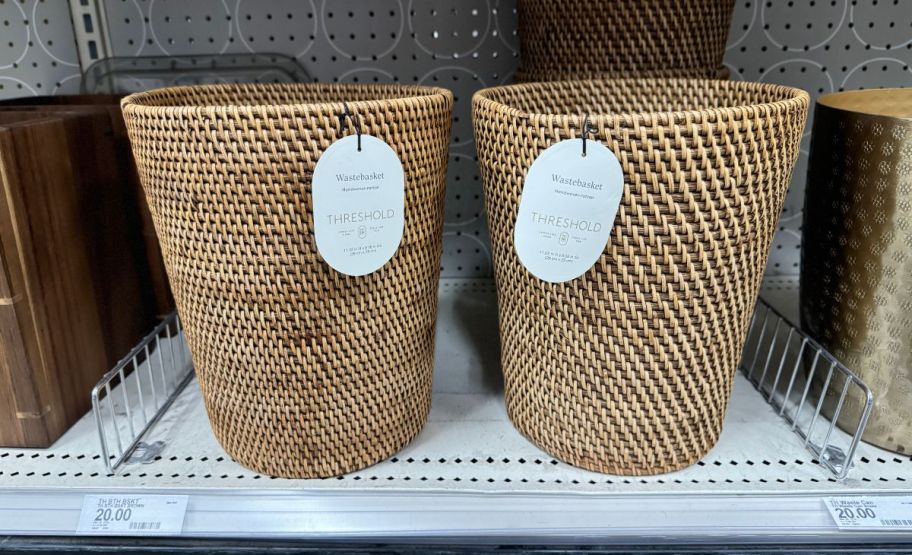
[134,395]
[807,387]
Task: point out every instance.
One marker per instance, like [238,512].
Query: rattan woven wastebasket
[628,369]
[588,39]
[305,372]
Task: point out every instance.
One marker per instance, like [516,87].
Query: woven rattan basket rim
[521,77]
[392,95]
[789,98]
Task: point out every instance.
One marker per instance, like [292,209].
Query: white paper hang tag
[567,210]
[358,204]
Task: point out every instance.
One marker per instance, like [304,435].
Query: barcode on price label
[883,512]
[145,525]
[897,522]
[132,515]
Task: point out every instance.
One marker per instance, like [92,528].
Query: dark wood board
[54,345]
[138,212]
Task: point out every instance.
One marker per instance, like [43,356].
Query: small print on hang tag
[884,512]
[358,204]
[132,515]
[567,210]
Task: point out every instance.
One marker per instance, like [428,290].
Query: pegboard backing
[821,46]
[464,45]
[37,49]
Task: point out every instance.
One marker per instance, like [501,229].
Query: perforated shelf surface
[469,473]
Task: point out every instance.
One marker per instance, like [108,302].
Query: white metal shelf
[469,474]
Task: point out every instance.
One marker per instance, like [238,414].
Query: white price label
[871,513]
[132,515]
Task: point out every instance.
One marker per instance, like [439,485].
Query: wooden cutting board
[153,271]
[73,299]
[53,342]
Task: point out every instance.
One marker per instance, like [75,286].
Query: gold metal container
[856,255]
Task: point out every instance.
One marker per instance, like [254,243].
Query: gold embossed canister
[856,256]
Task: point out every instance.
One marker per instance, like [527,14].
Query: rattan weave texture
[305,372]
[628,369]
[589,39]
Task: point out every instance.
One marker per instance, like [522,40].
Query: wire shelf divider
[806,386]
[134,395]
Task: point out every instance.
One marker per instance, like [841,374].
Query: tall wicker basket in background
[628,369]
[305,372]
[588,39]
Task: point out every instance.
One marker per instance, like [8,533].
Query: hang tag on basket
[358,204]
[567,210]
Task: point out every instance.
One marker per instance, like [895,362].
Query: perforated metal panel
[819,45]
[37,49]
